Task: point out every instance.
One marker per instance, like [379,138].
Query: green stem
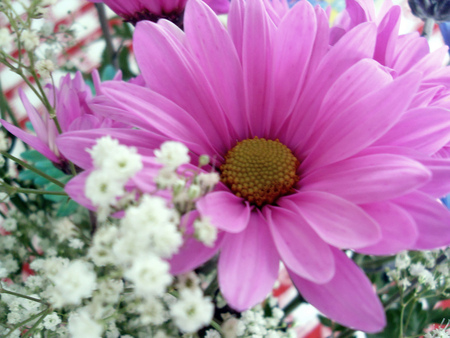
[4,107]
[37,171]
[38,192]
[216,326]
[212,287]
[12,293]
[428,26]
[34,327]
[15,327]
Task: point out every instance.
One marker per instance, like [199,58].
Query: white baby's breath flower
[205,232]
[64,229]
[10,224]
[166,178]
[76,243]
[30,39]
[402,260]
[5,39]
[212,334]
[124,162]
[172,154]
[150,275]
[102,189]
[152,311]
[101,250]
[192,311]
[81,325]
[208,180]
[416,269]
[4,144]
[45,68]
[102,149]
[52,321]
[72,284]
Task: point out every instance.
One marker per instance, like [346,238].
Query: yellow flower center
[260,170]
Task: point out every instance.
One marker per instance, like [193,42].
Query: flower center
[260,170]
[145,15]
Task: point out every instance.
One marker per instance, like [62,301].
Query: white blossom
[30,39]
[402,260]
[172,154]
[10,224]
[51,321]
[76,243]
[192,311]
[152,311]
[72,284]
[103,189]
[205,232]
[150,275]
[5,39]
[64,229]
[45,68]
[101,250]
[3,140]
[81,325]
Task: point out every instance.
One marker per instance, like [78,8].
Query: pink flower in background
[315,147]
[71,100]
[136,10]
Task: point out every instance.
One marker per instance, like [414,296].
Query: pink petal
[75,189]
[142,106]
[349,298]
[354,46]
[337,221]
[393,238]
[31,140]
[432,220]
[36,120]
[299,247]
[225,210]
[425,129]
[387,36]
[211,45]
[193,253]
[236,24]
[290,61]
[257,40]
[363,122]
[368,179]
[170,70]
[248,264]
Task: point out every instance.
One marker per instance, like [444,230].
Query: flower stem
[428,26]
[37,171]
[216,326]
[12,293]
[293,304]
[111,54]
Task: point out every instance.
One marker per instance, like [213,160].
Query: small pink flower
[320,148]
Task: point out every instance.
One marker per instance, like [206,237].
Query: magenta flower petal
[354,179]
[201,25]
[290,61]
[354,131]
[300,248]
[251,257]
[75,189]
[225,210]
[348,298]
[193,253]
[432,220]
[31,140]
[393,238]
[219,6]
[425,129]
[162,114]
[257,39]
[201,101]
[337,221]
[39,126]
[356,45]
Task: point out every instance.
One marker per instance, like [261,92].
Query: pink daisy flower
[316,145]
[72,109]
[136,10]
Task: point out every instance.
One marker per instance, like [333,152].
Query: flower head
[318,148]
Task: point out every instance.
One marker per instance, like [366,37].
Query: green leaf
[33,156]
[54,198]
[67,207]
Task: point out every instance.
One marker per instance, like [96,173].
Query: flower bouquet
[255,139]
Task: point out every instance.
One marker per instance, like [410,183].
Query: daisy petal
[348,298]
[225,210]
[251,257]
[299,247]
[367,179]
[31,140]
[336,220]
[363,122]
[393,238]
[432,220]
